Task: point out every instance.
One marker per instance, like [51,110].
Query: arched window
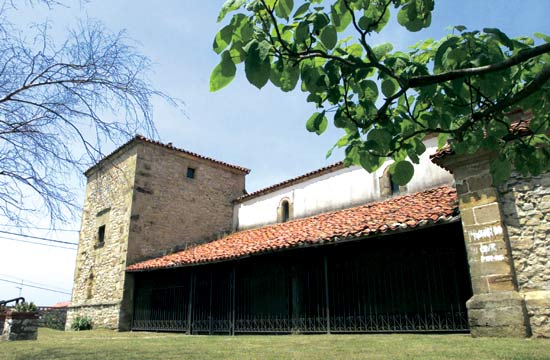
[388,187]
[284,211]
[394,186]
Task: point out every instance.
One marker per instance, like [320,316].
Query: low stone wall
[19,326]
[52,317]
[102,315]
[526,212]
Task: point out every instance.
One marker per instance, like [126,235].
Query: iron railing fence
[413,282]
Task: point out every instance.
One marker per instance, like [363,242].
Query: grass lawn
[105,344]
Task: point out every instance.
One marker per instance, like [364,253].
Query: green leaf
[370,162]
[389,87]
[382,49]
[283,8]
[243,29]
[263,49]
[320,21]
[329,37]
[402,172]
[256,69]
[415,15]
[381,137]
[442,140]
[301,34]
[340,15]
[301,10]
[370,90]
[228,6]
[284,76]
[501,170]
[223,73]
[500,36]
[317,123]
[542,36]
[222,39]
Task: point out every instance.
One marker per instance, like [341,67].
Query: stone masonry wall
[496,307]
[20,326]
[526,211]
[103,316]
[148,206]
[100,267]
[171,211]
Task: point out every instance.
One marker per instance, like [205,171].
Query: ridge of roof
[295,180]
[169,146]
[409,211]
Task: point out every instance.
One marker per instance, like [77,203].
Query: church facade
[171,241]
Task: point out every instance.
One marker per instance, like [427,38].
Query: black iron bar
[190,303]
[327,303]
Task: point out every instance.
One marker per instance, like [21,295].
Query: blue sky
[263,130]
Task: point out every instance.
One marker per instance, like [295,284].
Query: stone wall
[102,315]
[100,266]
[148,206]
[496,307]
[526,211]
[20,326]
[507,234]
[170,210]
[52,317]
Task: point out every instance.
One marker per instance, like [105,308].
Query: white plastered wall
[336,190]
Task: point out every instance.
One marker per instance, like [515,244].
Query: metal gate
[412,282]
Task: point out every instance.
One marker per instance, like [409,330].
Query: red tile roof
[399,213]
[167,146]
[310,175]
[62,304]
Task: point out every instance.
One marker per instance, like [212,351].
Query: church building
[171,241]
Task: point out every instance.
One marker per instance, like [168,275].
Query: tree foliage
[461,88]
[59,104]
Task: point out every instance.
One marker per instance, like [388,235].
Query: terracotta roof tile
[167,146]
[408,211]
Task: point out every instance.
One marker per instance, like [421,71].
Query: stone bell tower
[143,200]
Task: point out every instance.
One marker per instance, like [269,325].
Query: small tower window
[285,211]
[101,235]
[190,173]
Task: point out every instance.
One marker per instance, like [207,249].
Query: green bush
[25,307]
[81,323]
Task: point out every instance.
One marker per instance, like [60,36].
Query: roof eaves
[141,138]
[292,181]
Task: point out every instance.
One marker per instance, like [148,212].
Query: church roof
[298,179]
[141,138]
[419,209]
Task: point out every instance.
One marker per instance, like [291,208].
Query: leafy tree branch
[462,87]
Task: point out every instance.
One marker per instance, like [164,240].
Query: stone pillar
[496,307]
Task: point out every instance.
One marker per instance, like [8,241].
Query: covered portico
[397,265]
